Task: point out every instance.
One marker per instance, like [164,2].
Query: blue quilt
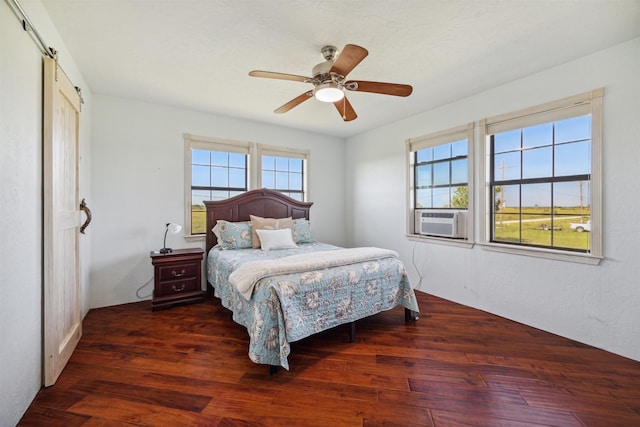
[286,308]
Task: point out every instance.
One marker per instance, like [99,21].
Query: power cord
[140,288]
[415,266]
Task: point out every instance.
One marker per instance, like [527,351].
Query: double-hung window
[542,175]
[284,170]
[440,175]
[215,169]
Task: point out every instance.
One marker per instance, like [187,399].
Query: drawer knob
[182,273]
[176,289]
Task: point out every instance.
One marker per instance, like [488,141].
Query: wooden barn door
[61,297]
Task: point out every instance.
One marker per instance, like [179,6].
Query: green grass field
[536,227]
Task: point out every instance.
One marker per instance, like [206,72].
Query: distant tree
[498,200]
[460,198]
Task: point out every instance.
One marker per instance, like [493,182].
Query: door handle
[84,208]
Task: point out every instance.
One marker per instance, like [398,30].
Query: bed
[288,294]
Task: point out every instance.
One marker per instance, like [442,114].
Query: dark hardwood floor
[456,366]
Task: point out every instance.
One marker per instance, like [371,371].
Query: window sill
[195,238]
[440,240]
[580,258]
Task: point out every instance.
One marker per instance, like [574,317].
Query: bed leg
[352,332]
[410,315]
[273,369]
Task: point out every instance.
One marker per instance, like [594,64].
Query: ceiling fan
[329,81]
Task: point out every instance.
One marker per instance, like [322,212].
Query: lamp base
[166,250]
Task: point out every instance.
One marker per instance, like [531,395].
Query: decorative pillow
[259,223]
[233,235]
[276,239]
[302,231]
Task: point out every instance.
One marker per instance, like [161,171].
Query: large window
[217,170]
[284,170]
[440,171]
[543,176]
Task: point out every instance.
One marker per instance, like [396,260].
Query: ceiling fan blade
[350,56]
[378,87]
[345,109]
[279,76]
[294,102]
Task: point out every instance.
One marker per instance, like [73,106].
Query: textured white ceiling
[196,54]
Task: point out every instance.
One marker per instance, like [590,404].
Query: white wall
[597,305]
[21,203]
[138,182]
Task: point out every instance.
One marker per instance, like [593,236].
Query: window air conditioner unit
[441,222]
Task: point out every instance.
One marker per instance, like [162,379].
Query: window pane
[459,148]
[506,141]
[282,180]
[200,157]
[295,165]
[536,163]
[460,197]
[535,196]
[268,179]
[282,163]
[506,218]
[441,198]
[573,129]
[441,173]
[200,176]
[219,158]
[237,178]
[268,162]
[573,159]
[509,198]
[237,160]
[423,177]
[423,198]
[459,171]
[424,155]
[442,151]
[573,197]
[295,181]
[507,166]
[536,217]
[537,136]
[220,176]
[219,195]
[199,196]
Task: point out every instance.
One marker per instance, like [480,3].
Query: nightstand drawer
[179,271]
[177,286]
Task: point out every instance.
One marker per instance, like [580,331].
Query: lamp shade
[328,92]
[174,229]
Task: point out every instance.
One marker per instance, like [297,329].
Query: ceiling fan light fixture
[328,92]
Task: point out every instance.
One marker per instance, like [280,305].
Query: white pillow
[276,239]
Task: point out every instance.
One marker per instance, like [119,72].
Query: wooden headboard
[265,203]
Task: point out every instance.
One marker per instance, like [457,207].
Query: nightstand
[177,278]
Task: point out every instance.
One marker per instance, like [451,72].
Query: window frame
[431,140]
[574,106]
[294,153]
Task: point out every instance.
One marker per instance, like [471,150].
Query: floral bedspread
[286,308]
